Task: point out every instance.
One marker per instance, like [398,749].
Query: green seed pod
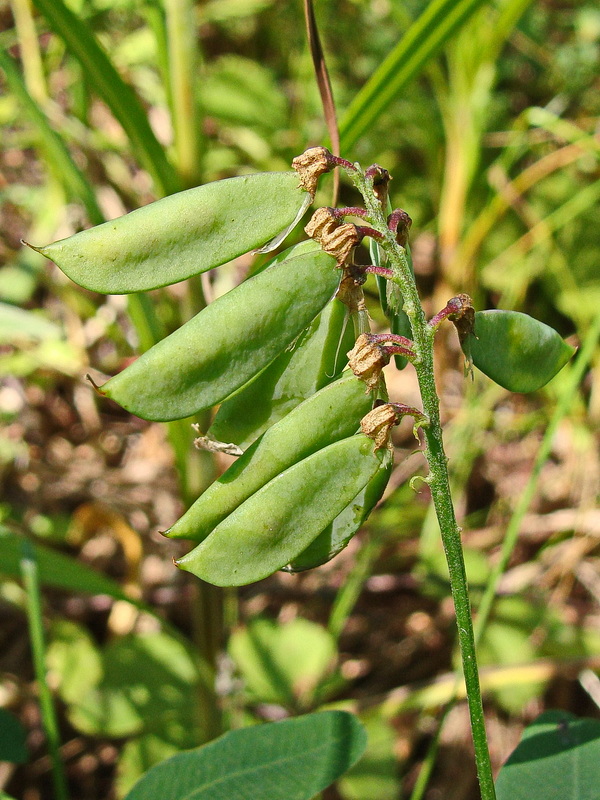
[515,350]
[317,358]
[227,343]
[181,235]
[332,414]
[337,535]
[272,527]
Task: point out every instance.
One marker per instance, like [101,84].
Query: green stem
[437,479]
[31,58]
[183,69]
[29,571]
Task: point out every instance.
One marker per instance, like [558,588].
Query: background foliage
[494,152]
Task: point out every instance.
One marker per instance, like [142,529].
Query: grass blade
[30,575]
[109,85]
[58,157]
[422,41]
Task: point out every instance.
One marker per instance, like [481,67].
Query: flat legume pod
[338,534]
[515,350]
[278,522]
[181,235]
[316,359]
[228,342]
[332,414]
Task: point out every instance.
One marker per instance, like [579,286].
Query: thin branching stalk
[437,479]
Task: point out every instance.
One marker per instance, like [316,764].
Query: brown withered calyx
[378,424]
[310,165]
[367,360]
[464,316]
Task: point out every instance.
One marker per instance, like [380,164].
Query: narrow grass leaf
[110,87]
[57,154]
[423,40]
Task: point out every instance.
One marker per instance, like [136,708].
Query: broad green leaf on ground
[12,739]
[228,342]
[293,759]
[139,755]
[558,758]
[515,350]
[282,663]
[181,235]
[377,774]
[136,684]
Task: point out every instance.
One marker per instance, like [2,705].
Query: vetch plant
[315,455]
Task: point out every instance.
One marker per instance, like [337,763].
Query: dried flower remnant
[310,165]
[322,223]
[378,424]
[367,359]
[336,238]
[461,312]
[214,446]
[381,180]
[400,222]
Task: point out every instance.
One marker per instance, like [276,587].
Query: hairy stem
[438,479]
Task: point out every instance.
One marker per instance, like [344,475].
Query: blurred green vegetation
[494,151]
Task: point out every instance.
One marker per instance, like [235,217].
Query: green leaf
[136,684]
[282,663]
[332,414]
[377,774]
[138,755]
[290,760]
[228,342]
[108,84]
[12,739]
[557,758]
[280,520]
[181,235]
[423,40]
[240,91]
[516,351]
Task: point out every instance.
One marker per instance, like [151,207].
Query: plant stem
[437,479]
[33,70]
[29,571]
[183,69]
